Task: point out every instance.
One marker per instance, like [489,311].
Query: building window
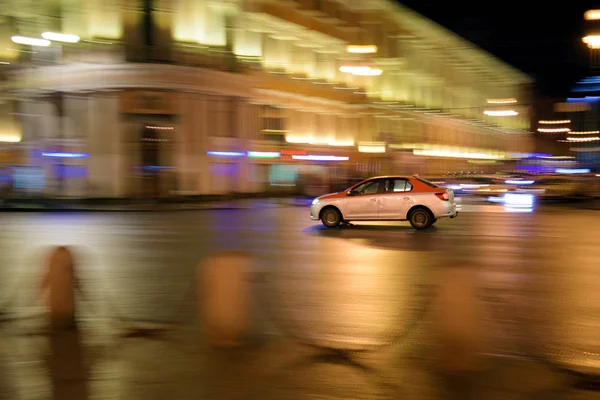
[221,116]
[273,123]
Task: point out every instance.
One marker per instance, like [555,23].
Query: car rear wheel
[331,217]
[420,218]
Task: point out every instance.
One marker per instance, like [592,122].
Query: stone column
[48,128]
[106,161]
[201,143]
[242,128]
[183,145]
[73,129]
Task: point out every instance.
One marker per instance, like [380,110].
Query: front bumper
[314,212]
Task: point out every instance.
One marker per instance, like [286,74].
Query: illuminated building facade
[208,97]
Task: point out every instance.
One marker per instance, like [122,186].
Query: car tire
[420,218]
[434,221]
[331,217]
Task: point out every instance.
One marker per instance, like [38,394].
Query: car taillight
[443,196]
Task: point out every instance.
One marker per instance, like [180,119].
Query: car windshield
[428,183]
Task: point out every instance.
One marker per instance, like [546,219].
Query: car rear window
[428,183]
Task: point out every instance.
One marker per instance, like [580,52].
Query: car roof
[390,177]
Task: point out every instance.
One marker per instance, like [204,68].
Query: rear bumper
[446,210]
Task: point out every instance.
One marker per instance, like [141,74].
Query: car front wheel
[420,218]
[331,217]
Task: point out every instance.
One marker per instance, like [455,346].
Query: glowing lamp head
[592,41]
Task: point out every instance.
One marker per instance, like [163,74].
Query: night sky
[543,41]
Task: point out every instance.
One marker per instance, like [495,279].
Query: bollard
[458,322]
[60,282]
[224,297]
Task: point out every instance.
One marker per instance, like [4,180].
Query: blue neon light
[65,155]
[225,153]
[583,99]
[590,88]
[589,80]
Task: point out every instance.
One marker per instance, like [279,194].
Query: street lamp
[592,41]
[592,15]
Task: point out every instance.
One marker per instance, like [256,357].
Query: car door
[362,204]
[396,199]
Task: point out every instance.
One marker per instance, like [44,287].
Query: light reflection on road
[355,287]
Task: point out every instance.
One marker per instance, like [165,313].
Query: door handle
[374,199]
[407,198]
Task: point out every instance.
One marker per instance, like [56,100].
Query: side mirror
[350,193]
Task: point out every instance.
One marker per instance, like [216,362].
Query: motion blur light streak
[572,171]
[263,154]
[521,202]
[320,158]
[451,154]
[30,41]
[553,130]
[501,101]
[225,153]
[584,139]
[518,182]
[584,132]
[60,37]
[65,155]
[366,49]
[555,122]
[501,113]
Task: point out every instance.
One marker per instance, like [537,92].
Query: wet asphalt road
[507,304]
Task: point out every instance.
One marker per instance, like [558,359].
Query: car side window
[397,185]
[371,187]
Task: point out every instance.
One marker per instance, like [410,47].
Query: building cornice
[91,78]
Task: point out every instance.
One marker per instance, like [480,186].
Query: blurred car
[478,186]
[386,198]
[558,187]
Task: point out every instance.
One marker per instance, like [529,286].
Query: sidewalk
[69,205]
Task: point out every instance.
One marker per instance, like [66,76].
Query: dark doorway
[150,141]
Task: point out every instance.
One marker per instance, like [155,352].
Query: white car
[386,198]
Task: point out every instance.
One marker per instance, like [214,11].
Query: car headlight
[315,201]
